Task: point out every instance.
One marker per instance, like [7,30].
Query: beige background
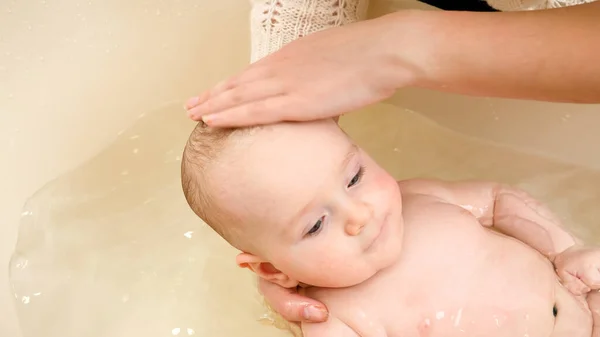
[91,92]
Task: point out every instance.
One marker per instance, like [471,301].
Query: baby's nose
[358,217]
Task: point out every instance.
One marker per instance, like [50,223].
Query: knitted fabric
[275,23]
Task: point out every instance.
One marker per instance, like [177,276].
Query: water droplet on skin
[188,234]
[440,315]
[175,331]
[25,299]
[190,332]
[458,317]
[135,151]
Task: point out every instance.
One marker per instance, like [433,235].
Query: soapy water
[112,249]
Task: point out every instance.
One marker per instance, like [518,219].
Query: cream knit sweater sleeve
[275,23]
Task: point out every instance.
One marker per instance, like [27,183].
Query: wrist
[407,37]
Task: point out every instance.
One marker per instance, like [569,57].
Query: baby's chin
[361,271]
[358,275]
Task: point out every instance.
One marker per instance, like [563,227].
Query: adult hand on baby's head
[579,269]
[291,305]
[318,76]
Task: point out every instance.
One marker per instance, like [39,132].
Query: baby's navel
[424,328]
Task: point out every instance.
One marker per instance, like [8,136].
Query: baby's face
[316,206]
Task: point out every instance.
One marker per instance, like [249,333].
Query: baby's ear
[265,270]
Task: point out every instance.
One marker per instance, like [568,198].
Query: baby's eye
[356,177]
[316,227]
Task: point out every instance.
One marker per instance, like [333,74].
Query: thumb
[291,305]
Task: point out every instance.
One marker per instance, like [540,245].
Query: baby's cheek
[383,182]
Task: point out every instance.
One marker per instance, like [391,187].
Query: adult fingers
[251,74]
[237,96]
[266,111]
[292,306]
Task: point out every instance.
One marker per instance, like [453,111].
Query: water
[105,253]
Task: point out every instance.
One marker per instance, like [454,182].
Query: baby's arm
[333,327]
[507,209]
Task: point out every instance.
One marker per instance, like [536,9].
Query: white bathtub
[91,94]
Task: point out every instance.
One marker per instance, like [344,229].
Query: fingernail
[314,314]
[210,119]
[192,102]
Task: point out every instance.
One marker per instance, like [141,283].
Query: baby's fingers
[591,277]
[572,282]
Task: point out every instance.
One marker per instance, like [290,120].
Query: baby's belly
[454,278]
[497,287]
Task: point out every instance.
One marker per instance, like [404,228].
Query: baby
[306,206]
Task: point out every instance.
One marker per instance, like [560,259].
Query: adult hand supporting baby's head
[291,305]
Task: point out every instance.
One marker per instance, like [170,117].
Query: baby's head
[300,200]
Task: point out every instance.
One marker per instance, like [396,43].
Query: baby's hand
[579,269]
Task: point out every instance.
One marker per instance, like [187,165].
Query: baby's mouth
[382,226]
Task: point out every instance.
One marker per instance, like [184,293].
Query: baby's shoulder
[422,186]
[333,327]
[345,323]
[349,306]
[417,192]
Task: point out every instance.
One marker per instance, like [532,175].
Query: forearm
[549,55]
[517,214]
[509,210]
